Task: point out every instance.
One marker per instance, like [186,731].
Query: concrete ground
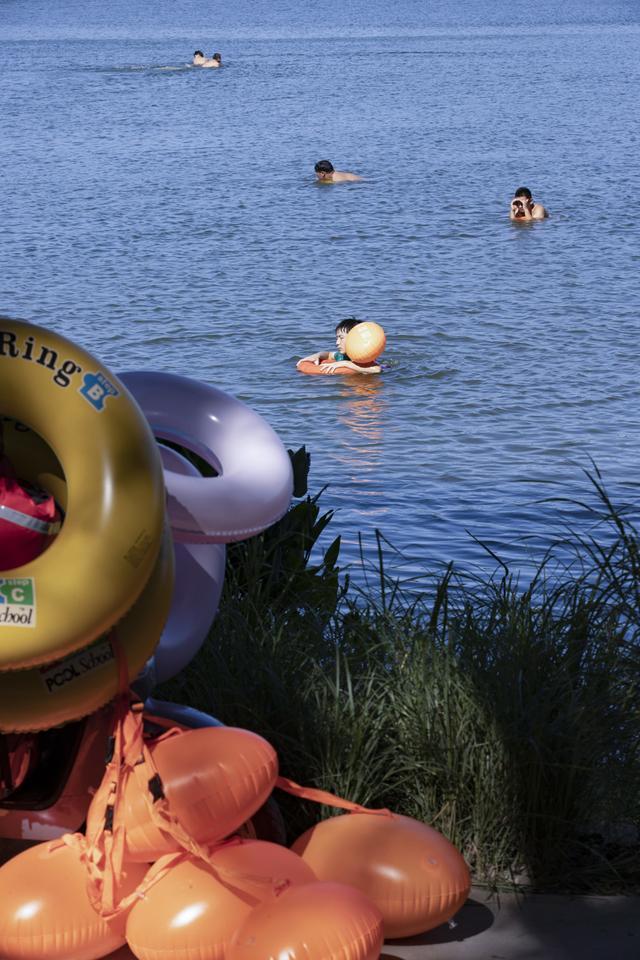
[537,927]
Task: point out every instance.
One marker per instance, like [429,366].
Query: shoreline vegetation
[507,718]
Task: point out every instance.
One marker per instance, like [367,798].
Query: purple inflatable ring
[196,595]
[255,480]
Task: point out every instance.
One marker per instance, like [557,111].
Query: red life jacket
[29,520]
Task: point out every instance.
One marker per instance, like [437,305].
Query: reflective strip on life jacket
[29,523]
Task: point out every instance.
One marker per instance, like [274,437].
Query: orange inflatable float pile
[162,868]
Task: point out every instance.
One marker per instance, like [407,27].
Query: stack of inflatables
[161,865]
[175,803]
[96,444]
[90,447]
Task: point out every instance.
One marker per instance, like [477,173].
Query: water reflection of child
[331,360]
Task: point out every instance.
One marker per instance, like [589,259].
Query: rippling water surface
[167,218]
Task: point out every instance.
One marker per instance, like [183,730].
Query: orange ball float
[214,779]
[192,914]
[45,911]
[319,921]
[365,342]
[415,875]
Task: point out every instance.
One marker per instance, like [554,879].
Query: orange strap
[103,853]
[165,819]
[329,799]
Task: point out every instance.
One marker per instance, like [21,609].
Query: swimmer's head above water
[214,61]
[199,60]
[324,170]
[522,203]
[337,361]
[342,329]
[524,208]
[326,173]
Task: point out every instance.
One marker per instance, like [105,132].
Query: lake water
[167,218]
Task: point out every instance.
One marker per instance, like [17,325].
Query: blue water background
[167,218]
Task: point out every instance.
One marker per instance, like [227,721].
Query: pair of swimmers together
[330,361]
[199,60]
[523,206]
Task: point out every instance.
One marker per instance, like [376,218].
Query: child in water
[331,360]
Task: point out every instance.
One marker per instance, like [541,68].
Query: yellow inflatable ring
[107,548]
[82,682]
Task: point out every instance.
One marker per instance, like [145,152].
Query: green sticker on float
[17,602]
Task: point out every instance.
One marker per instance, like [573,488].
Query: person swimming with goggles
[524,207]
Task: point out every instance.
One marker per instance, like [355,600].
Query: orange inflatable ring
[308,366]
[81,682]
[104,555]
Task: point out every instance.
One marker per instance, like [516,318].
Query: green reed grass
[508,718]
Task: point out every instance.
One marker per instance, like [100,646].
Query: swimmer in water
[214,61]
[325,173]
[330,360]
[199,60]
[523,207]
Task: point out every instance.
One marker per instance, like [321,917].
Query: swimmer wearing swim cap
[325,173]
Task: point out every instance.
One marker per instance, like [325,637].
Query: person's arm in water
[538,212]
[317,358]
[350,365]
